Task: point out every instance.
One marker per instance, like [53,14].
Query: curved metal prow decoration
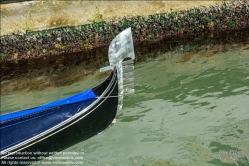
[120,49]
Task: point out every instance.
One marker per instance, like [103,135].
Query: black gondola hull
[94,120]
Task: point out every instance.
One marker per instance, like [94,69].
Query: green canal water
[190,107]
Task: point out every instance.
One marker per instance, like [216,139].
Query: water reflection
[190,108]
[183,112]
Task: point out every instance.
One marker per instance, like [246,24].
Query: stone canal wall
[68,39]
[40,15]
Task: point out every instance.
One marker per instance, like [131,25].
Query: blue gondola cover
[19,126]
[86,95]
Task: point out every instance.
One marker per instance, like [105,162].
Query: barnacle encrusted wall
[67,39]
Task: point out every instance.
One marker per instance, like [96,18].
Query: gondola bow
[62,123]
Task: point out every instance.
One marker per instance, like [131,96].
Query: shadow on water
[61,70]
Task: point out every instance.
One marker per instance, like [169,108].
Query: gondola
[61,123]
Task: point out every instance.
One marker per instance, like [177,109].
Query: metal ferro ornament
[121,56]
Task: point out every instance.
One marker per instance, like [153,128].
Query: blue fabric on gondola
[86,95]
[20,126]
[17,130]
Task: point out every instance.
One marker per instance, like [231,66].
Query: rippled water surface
[191,107]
